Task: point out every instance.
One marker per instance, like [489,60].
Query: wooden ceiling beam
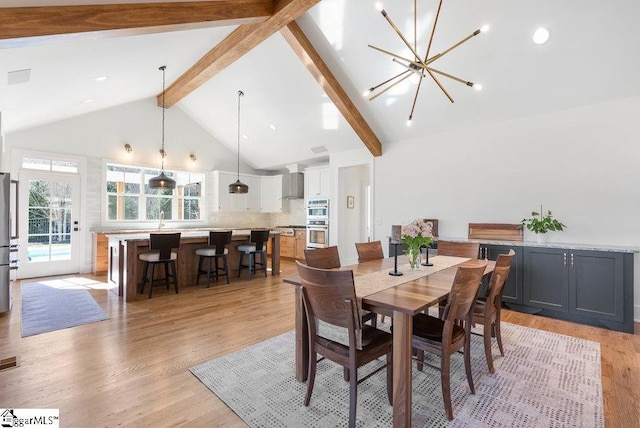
[239,42]
[47,21]
[301,45]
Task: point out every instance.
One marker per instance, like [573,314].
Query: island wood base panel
[125,267]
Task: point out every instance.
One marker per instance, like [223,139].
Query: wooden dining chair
[161,251]
[487,312]
[444,337]
[330,296]
[216,251]
[459,249]
[328,258]
[323,258]
[369,251]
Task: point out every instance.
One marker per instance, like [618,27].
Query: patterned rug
[544,380]
[55,305]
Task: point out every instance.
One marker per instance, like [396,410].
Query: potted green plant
[540,224]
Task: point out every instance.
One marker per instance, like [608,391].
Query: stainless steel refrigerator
[8,237]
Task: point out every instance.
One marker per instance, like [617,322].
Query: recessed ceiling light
[100,78]
[87,101]
[272,126]
[245,137]
[541,36]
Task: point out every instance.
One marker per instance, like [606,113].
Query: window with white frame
[129,196]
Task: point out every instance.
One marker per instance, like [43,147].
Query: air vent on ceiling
[319,149]
[18,76]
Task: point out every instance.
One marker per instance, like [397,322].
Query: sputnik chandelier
[419,65]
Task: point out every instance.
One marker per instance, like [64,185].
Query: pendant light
[238,186]
[162,181]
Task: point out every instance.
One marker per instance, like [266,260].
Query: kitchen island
[125,268]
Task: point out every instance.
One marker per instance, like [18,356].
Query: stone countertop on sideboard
[569,246]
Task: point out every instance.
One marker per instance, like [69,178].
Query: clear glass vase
[414,258]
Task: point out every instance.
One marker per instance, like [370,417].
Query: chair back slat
[326,291]
[323,258]
[259,237]
[459,249]
[464,292]
[220,240]
[369,251]
[164,243]
[498,279]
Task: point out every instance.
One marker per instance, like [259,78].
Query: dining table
[400,297]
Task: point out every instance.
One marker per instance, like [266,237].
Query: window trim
[143,197]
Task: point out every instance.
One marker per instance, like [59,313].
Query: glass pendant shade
[238,186]
[162,181]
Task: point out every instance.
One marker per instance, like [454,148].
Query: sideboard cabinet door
[546,278]
[512,292]
[596,284]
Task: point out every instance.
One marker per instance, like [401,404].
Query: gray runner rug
[544,380]
[46,308]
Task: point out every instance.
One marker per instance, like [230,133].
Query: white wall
[351,182]
[583,164]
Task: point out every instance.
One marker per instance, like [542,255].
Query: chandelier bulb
[485,28]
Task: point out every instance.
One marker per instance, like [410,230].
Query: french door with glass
[50,234]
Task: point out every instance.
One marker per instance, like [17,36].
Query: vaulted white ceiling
[593,56]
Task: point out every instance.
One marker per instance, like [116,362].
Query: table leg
[275,254]
[402,329]
[302,337]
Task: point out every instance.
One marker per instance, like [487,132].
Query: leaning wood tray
[496,231]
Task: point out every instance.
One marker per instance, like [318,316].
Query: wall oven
[317,233]
[317,209]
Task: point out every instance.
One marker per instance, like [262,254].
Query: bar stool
[216,250]
[255,247]
[161,246]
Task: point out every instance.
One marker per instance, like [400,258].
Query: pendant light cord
[240,94]
[163,152]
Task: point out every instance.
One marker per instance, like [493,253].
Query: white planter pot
[541,238]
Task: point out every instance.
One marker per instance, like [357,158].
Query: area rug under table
[46,308]
[544,380]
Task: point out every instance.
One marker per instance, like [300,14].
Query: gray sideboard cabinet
[512,292]
[585,286]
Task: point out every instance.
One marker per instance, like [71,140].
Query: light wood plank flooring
[132,370]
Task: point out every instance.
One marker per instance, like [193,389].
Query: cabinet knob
[564,258]
[571,259]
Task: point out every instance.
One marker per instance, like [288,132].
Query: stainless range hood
[293,185]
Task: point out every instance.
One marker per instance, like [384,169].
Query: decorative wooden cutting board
[496,231]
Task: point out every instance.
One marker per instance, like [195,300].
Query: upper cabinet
[316,183]
[271,194]
[265,193]
[225,201]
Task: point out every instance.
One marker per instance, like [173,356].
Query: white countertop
[183,234]
[569,246]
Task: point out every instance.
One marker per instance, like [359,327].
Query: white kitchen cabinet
[225,201]
[253,199]
[271,194]
[316,183]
